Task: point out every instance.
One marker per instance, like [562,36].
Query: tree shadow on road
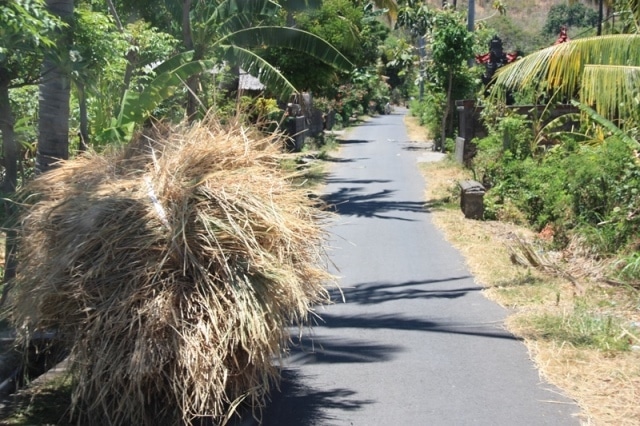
[353,202]
[327,350]
[415,146]
[396,322]
[352,141]
[332,159]
[296,404]
[377,292]
[331,180]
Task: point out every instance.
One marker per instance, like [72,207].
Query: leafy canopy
[600,71]
[25,26]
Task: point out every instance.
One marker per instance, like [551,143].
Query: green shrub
[592,190]
[429,111]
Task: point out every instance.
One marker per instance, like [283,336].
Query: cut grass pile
[171,270]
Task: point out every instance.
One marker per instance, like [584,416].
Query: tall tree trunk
[132,54]
[84,119]
[193,82]
[600,15]
[445,116]
[471,25]
[10,151]
[55,88]
[9,144]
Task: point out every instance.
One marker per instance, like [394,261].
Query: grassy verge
[308,168]
[584,336]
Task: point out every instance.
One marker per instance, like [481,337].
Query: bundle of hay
[172,271]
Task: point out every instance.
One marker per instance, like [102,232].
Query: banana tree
[137,106]
[603,72]
[171,75]
[235,31]
[223,30]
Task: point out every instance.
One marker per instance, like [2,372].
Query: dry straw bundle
[172,271]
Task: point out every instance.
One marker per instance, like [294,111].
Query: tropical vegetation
[115,70]
[91,76]
[580,181]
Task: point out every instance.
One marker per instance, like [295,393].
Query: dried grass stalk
[526,254]
[172,271]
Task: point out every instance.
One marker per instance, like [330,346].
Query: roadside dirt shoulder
[571,335]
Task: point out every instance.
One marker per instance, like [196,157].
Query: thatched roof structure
[249,83]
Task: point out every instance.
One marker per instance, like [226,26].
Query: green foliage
[25,28]
[337,21]
[98,47]
[430,110]
[366,92]
[261,112]
[148,45]
[345,25]
[569,15]
[517,136]
[629,269]
[24,104]
[592,190]
[451,43]
[398,57]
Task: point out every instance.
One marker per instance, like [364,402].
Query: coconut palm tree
[55,88]
[603,72]
[24,37]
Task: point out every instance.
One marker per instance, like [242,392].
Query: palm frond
[259,67]
[391,8]
[137,106]
[233,15]
[630,12]
[612,89]
[561,66]
[289,38]
[300,5]
[615,130]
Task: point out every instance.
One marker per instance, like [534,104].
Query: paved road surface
[416,343]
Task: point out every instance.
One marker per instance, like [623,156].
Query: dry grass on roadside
[606,386]
[415,131]
[605,383]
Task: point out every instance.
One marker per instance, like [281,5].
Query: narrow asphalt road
[415,342]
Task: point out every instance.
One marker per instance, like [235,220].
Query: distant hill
[519,8]
[521,28]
